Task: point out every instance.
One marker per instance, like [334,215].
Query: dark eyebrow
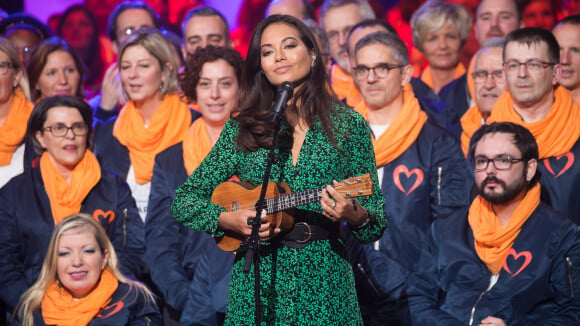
[284,40]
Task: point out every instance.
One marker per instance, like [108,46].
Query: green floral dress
[309,286]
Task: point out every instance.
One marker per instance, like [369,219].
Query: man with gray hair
[489,84]
[421,173]
[336,18]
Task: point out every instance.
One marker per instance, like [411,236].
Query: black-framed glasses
[532,65]
[381,70]
[501,162]
[5,66]
[60,130]
[480,76]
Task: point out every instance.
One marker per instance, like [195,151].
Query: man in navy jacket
[513,260]
[421,171]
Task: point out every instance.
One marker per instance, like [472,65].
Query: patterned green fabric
[309,286]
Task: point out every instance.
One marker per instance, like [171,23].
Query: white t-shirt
[140,193]
[15,167]
[377,131]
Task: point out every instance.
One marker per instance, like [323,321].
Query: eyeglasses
[480,76]
[122,34]
[532,65]
[502,162]
[381,70]
[5,66]
[60,130]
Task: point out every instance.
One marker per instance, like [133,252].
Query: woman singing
[305,279]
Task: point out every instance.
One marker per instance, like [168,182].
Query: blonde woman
[440,30]
[80,282]
[153,119]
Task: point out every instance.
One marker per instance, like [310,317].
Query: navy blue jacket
[127,307]
[456,96]
[560,179]
[436,109]
[173,250]
[538,284]
[206,300]
[27,225]
[426,182]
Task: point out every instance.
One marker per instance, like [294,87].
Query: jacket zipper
[439,172]
[370,281]
[570,266]
[124,227]
[473,308]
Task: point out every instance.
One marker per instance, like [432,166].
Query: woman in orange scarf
[211,80]
[153,119]
[67,179]
[15,109]
[80,282]
[440,30]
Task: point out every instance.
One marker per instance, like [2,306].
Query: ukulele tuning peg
[348,193]
[346,183]
[358,179]
[360,192]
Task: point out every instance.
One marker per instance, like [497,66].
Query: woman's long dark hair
[316,100]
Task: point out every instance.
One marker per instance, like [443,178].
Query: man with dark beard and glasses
[513,260]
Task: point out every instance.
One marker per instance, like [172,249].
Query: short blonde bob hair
[153,41]
[433,15]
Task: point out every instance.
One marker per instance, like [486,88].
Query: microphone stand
[253,242]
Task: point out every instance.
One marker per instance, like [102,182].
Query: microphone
[283,94]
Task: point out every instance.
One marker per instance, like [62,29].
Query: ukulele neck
[292,200]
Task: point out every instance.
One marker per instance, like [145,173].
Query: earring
[313,60]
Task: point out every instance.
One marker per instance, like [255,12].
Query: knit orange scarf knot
[470,122]
[13,129]
[167,127]
[344,87]
[492,240]
[196,145]
[66,199]
[60,308]
[556,133]
[427,75]
[402,132]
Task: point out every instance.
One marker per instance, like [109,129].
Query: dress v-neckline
[299,153]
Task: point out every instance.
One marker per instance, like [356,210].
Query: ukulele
[234,196]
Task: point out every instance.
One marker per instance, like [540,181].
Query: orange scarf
[168,126]
[402,132]
[66,199]
[470,122]
[427,76]
[344,87]
[492,240]
[60,308]
[196,145]
[13,130]
[556,133]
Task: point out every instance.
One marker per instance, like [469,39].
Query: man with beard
[536,101]
[493,18]
[511,261]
